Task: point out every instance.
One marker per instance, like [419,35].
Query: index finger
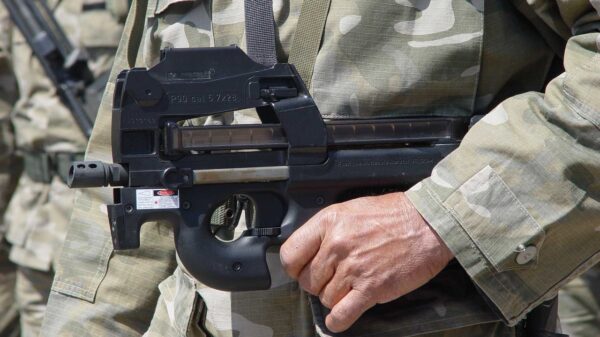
[303,245]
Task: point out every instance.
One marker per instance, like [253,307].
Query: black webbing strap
[260,31]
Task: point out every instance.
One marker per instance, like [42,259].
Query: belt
[42,167]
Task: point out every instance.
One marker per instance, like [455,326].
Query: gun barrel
[84,174]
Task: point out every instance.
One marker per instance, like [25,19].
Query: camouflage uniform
[579,305]
[48,138]
[515,203]
[9,173]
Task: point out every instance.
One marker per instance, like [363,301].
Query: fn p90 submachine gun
[290,167]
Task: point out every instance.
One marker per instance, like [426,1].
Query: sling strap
[260,34]
[308,37]
[260,31]
[139,8]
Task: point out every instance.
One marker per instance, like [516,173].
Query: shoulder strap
[307,39]
[139,8]
[260,31]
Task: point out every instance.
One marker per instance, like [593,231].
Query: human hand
[362,252]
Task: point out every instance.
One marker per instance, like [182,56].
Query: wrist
[439,247]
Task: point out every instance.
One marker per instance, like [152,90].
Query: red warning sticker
[165,193]
[157,199]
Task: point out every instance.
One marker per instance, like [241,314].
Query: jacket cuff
[491,253]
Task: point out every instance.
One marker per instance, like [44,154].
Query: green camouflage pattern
[579,305]
[39,212]
[517,202]
[531,163]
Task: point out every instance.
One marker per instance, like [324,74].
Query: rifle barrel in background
[65,65]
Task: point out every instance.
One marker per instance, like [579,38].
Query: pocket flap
[501,227]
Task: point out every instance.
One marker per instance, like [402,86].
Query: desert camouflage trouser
[9,316]
[186,308]
[38,216]
[33,289]
[579,305]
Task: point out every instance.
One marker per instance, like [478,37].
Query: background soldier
[48,139]
[9,173]
[531,163]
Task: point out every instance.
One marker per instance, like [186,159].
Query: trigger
[226,217]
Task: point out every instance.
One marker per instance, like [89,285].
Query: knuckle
[312,290]
[326,300]
[337,242]
[329,215]
[286,260]
[304,280]
[309,288]
[344,271]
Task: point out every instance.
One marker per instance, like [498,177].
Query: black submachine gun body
[290,167]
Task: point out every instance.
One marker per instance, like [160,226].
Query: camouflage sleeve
[518,203]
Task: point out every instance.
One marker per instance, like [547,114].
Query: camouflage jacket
[517,203]
[39,212]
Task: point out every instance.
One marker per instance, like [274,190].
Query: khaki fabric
[9,173]
[9,314]
[525,180]
[579,305]
[31,299]
[9,163]
[39,212]
[119,8]
[518,202]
